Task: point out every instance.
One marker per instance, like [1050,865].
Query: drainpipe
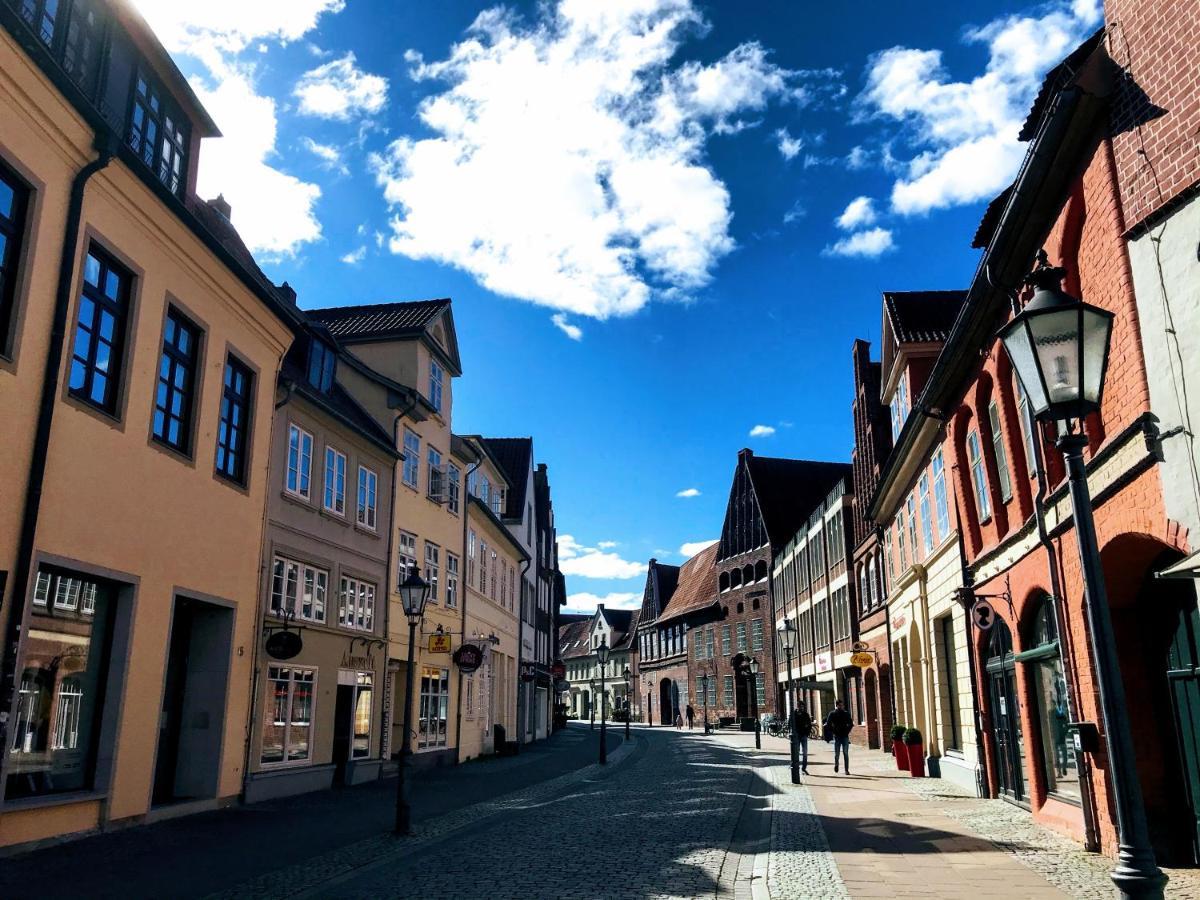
[385,743]
[521,691]
[106,143]
[464,505]
[965,601]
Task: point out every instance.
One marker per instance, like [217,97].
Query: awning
[1188,567]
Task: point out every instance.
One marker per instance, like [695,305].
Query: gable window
[299,470]
[335,481]
[80,53]
[175,394]
[1028,430]
[435,385]
[298,588]
[939,494]
[321,363]
[453,487]
[436,476]
[978,477]
[14,199]
[926,519]
[432,568]
[406,555]
[451,580]
[368,483]
[233,429]
[412,458]
[158,133]
[1001,454]
[356,605]
[100,331]
[498,500]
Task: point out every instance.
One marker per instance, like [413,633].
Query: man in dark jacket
[801,727]
[839,724]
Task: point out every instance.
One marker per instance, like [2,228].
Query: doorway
[1008,742]
[191,718]
[1183,676]
[343,730]
[666,701]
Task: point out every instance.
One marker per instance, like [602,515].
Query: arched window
[748,574]
[1053,715]
[760,570]
[724,581]
[735,578]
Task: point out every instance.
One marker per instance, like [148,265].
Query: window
[234,426]
[158,134]
[485,491]
[287,732]
[321,363]
[453,479]
[14,199]
[712,691]
[42,17]
[435,475]
[451,580]
[299,588]
[356,605]
[80,52]
[483,567]
[364,690]
[412,458]
[756,634]
[494,575]
[912,526]
[1001,453]
[710,637]
[978,478]
[926,518]
[948,672]
[939,494]
[741,637]
[335,481]
[435,705]
[100,331]
[1053,711]
[56,716]
[727,691]
[1028,429]
[299,470]
[406,555]
[471,558]
[760,689]
[899,407]
[498,500]
[435,385]
[432,567]
[368,483]
[725,637]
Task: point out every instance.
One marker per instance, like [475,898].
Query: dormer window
[71,31]
[158,133]
[321,363]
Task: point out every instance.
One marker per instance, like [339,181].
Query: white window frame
[356,604]
[435,490]
[926,516]
[433,565]
[436,385]
[406,540]
[425,698]
[1029,430]
[411,467]
[287,722]
[1006,491]
[299,466]
[368,490]
[334,495]
[451,580]
[302,576]
[453,487]
[939,494]
[983,501]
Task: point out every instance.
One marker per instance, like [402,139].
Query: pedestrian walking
[691,716]
[839,724]
[802,724]
[678,721]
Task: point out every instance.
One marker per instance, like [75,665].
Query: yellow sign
[862,660]
[439,643]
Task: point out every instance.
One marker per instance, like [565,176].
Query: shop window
[364,691]
[1044,662]
[287,732]
[434,709]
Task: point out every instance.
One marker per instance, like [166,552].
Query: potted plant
[914,745]
[898,749]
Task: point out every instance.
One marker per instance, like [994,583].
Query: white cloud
[964,133]
[762,431]
[859,212]
[587,602]
[691,548]
[340,90]
[858,158]
[606,545]
[567,162]
[688,492]
[574,332]
[330,156]
[274,212]
[871,243]
[795,213]
[594,562]
[789,147]
[354,257]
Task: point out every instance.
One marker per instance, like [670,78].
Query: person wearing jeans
[840,724]
[801,726]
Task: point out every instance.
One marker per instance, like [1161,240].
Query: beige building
[140,347]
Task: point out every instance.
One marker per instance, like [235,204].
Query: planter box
[916,760]
[901,753]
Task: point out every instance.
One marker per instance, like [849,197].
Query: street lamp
[602,655]
[592,703]
[414,592]
[787,637]
[628,705]
[1059,346]
[704,690]
[753,668]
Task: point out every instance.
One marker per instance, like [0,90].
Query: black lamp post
[592,703]
[414,592]
[1059,346]
[628,705]
[787,637]
[602,655]
[752,668]
[704,690]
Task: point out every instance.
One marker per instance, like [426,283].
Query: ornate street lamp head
[414,593]
[753,665]
[787,635]
[1059,346]
[602,652]
[628,675]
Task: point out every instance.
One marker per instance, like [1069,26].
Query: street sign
[439,643]
[862,660]
[983,615]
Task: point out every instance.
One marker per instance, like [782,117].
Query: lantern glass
[602,653]
[414,592]
[753,666]
[787,635]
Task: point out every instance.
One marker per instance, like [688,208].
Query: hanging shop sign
[983,615]
[439,643]
[562,686]
[861,659]
[468,658]
[284,644]
[559,669]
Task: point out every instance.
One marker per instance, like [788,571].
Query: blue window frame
[100,331]
[233,432]
[175,394]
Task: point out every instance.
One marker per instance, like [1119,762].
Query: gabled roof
[617,619]
[406,320]
[697,586]
[1056,79]
[920,317]
[788,491]
[515,458]
[574,639]
[661,582]
[622,639]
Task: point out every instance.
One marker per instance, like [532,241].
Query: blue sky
[662,222]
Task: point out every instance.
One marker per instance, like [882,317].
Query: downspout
[968,581]
[385,743]
[521,691]
[106,143]
[464,505]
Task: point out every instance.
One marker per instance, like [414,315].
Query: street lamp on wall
[602,655]
[414,594]
[1059,347]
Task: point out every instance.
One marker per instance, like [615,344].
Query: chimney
[221,205]
[288,293]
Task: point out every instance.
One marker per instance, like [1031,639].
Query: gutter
[106,144]
[463,624]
